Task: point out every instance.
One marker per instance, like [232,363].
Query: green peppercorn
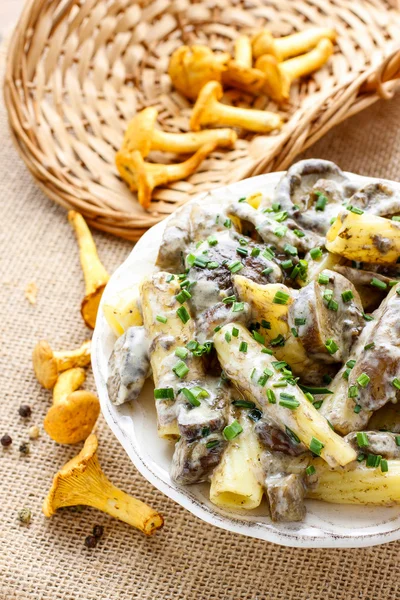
[24,515]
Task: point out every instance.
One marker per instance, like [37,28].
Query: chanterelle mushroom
[143,135]
[96,277]
[81,481]
[74,413]
[144,177]
[209,111]
[290,45]
[47,364]
[190,68]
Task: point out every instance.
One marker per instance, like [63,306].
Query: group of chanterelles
[262,65]
[74,412]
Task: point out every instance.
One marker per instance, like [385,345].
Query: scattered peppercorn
[98,531]
[90,541]
[6,440]
[34,432]
[24,448]
[25,411]
[24,515]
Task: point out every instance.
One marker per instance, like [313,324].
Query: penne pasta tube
[169,327]
[234,482]
[260,379]
[358,484]
[122,310]
[365,237]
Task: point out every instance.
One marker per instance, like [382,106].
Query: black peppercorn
[98,531]
[6,440]
[25,411]
[24,448]
[90,541]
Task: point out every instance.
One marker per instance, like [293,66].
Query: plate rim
[183,496]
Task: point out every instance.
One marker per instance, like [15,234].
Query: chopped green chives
[190,397]
[294,332]
[309,397]
[384,465]
[347,296]
[201,261]
[255,414]
[281,298]
[397,439]
[213,264]
[228,223]
[315,253]
[286,264]
[268,254]
[228,337]
[300,321]
[310,470]
[289,249]
[317,404]
[199,392]
[368,317]
[327,295]
[369,346]
[242,251]
[161,319]
[212,444]
[170,278]
[396,218]
[332,220]
[362,439]
[243,403]
[271,397]
[378,283]
[242,199]
[275,206]
[350,363]
[243,347]
[279,365]
[164,394]
[396,383]
[327,378]
[363,380]
[267,351]
[280,384]
[253,373]
[181,352]
[316,446]
[323,278]
[281,216]
[333,305]
[243,242]
[360,457]
[183,296]
[265,324]
[291,404]
[255,251]
[292,436]
[192,345]
[212,240]
[183,314]
[315,390]
[258,337]
[346,374]
[235,266]
[321,202]
[278,341]
[353,391]
[295,271]
[357,408]
[180,369]
[280,231]
[267,271]
[373,460]
[235,331]
[229,300]
[237,306]
[217,328]
[233,430]
[355,210]
[331,346]
[299,233]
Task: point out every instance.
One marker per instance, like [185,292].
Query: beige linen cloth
[188,559]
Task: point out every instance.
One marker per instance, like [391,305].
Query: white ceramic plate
[326,525]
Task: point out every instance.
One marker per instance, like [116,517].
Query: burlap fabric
[188,559]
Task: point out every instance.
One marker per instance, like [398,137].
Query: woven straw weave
[79,70]
[188,560]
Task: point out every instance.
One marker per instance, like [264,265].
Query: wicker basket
[78,70]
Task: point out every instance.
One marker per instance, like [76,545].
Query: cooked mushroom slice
[276,440]
[378,198]
[81,481]
[201,420]
[386,418]
[278,234]
[381,443]
[311,192]
[192,223]
[219,315]
[372,377]
[128,366]
[330,317]
[371,296]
